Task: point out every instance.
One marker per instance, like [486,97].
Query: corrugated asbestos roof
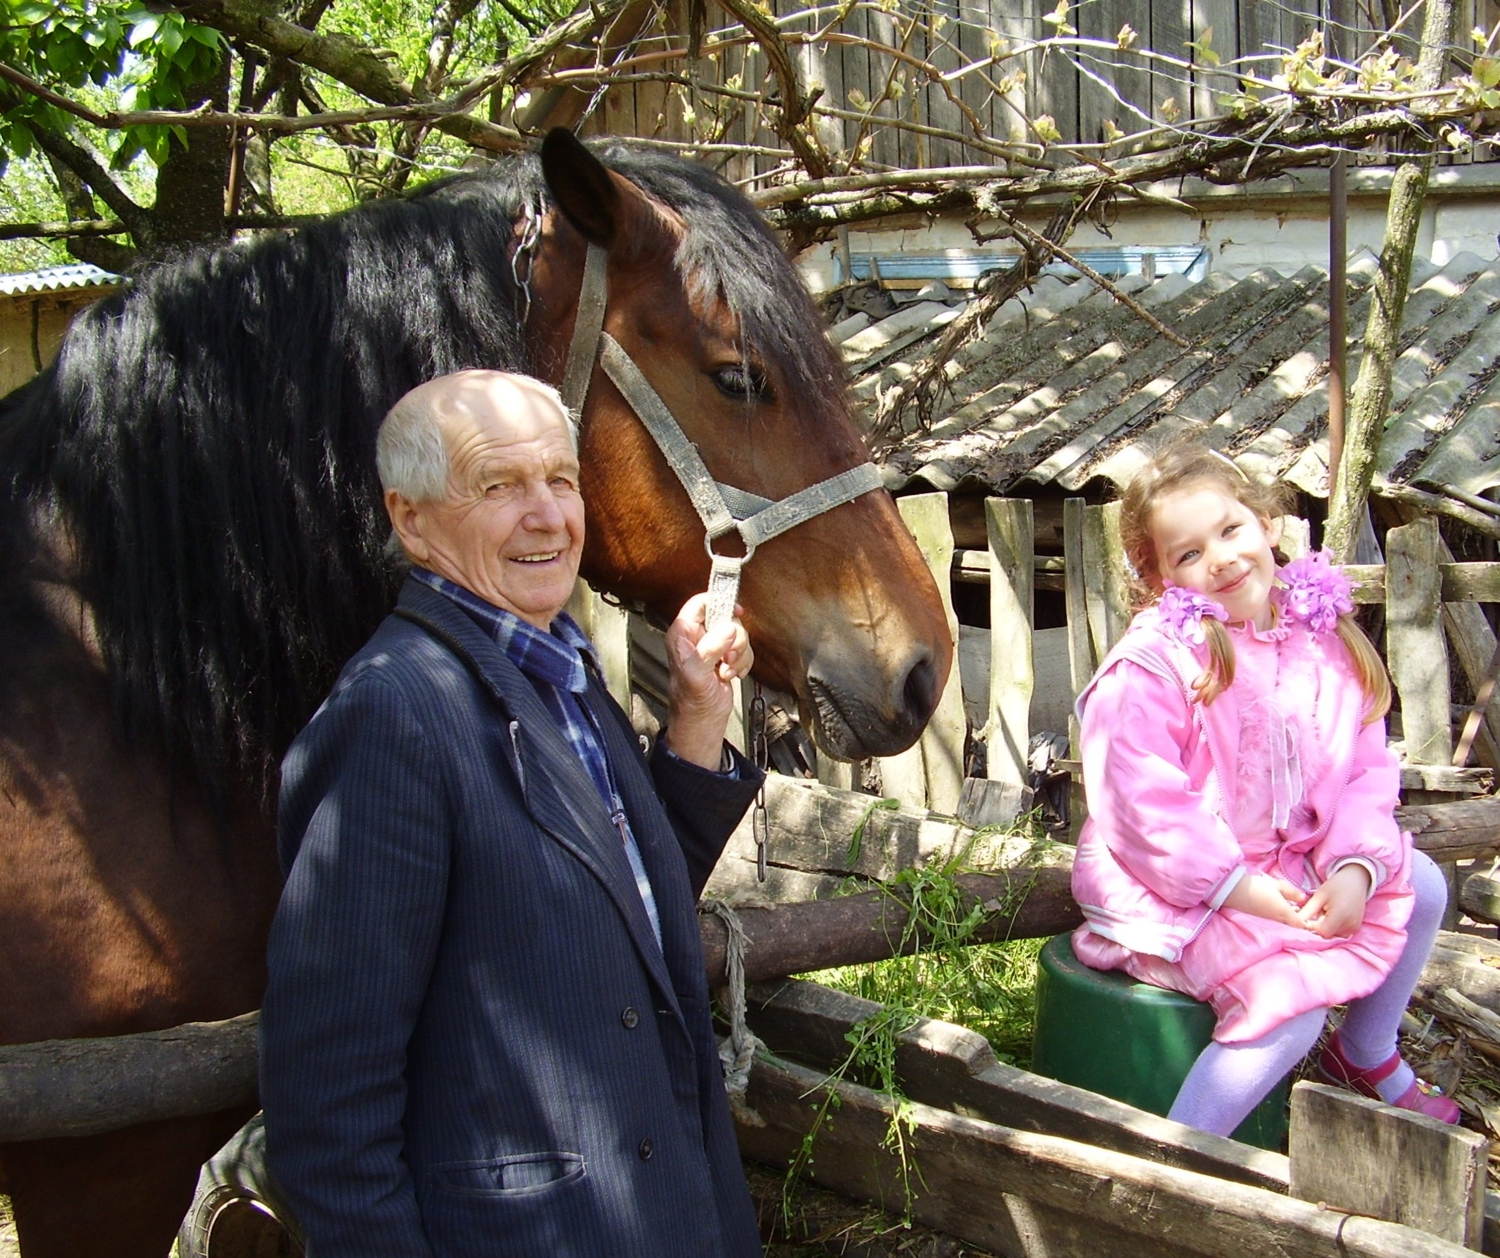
[54,279]
[1068,387]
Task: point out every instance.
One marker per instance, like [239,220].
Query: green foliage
[131,58]
[990,988]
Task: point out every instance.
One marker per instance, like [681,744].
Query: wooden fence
[926,83]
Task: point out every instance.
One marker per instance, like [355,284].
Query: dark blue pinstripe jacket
[471,1043]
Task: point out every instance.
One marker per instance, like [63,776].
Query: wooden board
[1007,727]
[931,774]
[1416,647]
[1354,1154]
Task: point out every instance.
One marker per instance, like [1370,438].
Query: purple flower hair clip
[1182,611]
[1315,592]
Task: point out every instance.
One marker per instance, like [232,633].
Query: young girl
[1241,845]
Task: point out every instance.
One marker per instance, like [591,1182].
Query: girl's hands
[701,665]
[1273,898]
[1336,909]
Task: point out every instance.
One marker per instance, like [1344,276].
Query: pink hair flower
[1182,611]
[1314,592]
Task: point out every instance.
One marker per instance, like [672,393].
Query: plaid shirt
[554,664]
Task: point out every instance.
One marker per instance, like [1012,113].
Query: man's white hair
[410,452]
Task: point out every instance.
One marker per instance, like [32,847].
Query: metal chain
[760,752]
[522,260]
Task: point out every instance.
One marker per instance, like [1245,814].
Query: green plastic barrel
[1104,1031]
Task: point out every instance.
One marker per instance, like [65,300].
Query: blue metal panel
[966,266]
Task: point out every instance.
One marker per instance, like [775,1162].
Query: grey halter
[722,508]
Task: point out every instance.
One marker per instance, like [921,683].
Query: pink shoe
[1420,1098]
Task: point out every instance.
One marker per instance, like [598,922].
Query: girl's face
[1208,541]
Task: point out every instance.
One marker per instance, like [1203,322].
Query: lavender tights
[1229,1080]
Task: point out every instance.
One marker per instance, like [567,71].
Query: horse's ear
[581,186]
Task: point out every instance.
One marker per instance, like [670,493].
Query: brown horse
[192,545]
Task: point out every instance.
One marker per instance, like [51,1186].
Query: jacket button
[646,1150]
[629,1018]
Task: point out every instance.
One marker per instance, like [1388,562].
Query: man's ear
[406,520]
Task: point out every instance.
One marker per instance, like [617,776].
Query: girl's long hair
[1188,463]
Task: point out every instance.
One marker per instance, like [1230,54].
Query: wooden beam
[85,1087]
[1474,582]
[1023,903]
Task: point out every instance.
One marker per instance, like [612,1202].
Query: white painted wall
[1283,226]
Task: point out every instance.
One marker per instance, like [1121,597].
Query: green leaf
[144,30]
[19,139]
[29,13]
[170,40]
[1058,19]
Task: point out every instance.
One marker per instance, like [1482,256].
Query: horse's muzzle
[857,713]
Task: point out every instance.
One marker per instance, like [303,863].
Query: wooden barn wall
[1079,97]
[31,329]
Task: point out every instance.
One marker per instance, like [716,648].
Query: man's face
[510,526]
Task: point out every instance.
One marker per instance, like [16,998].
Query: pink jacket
[1158,854]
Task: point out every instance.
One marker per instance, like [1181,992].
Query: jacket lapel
[557,790]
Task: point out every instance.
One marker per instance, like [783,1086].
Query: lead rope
[737,1049]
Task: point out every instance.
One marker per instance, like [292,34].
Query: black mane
[207,435]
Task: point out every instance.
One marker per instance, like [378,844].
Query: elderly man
[487,1030]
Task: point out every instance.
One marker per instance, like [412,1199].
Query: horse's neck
[47,577]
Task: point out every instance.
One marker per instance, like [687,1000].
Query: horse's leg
[121,1195]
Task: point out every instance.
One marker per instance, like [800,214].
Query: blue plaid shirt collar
[556,658]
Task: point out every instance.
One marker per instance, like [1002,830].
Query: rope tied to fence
[737,1049]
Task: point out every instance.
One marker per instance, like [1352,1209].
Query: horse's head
[842,610]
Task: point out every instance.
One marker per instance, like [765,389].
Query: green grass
[989,988]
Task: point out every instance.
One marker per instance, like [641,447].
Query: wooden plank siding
[1080,89]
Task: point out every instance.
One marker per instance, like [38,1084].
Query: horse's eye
[746,383]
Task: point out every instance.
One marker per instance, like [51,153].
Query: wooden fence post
[607,626]
[1011,530]
[1414,634]
[1105,595]
[931,774]
[1081,659]
[1417,654]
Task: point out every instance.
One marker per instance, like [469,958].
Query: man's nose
[543,511]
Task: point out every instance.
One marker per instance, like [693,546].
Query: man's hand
[1264,896]
[1336,909]
[701,665]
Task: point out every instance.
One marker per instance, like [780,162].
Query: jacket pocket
[520,1174]
[527,1205]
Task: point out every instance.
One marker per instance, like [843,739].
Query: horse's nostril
[921,689]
